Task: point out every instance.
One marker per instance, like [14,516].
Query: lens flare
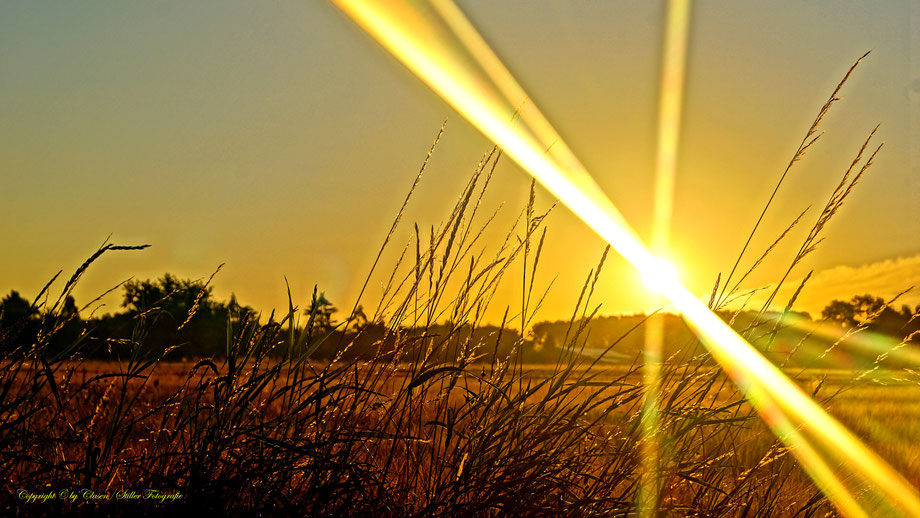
[673,70]
[436,42]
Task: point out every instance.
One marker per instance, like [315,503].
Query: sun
[659,275]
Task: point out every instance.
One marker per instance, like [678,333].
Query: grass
[420,428]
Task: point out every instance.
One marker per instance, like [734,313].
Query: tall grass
[420,428]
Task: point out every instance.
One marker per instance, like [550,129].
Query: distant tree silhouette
[871,312]
[19,324]
[840,311]
[177,312]
[358,319]
[13,308]
[321,310]
[168,293]
[173,313]
[70,309]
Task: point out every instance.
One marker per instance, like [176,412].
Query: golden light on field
[437,43]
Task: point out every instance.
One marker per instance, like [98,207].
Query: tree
[358,319]
[840,311]
[169,293]
[856,311]
[177,312]
[321,311]
[18,323]
[871,312]
[70,309]
[14,308]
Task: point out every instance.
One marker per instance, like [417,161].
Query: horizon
[340,314]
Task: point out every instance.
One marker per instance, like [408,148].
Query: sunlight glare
[658,274]
[438,44]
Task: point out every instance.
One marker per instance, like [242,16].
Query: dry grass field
[409,439]
[883,410]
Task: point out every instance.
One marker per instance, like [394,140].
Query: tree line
[182,318]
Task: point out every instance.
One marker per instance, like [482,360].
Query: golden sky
[280,140]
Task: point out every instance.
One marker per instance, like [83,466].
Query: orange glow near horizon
[437,43]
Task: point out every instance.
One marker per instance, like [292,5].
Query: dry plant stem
[396,221]
[838,197]
[809,139]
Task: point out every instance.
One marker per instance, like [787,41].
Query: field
[408,439]
[884,411]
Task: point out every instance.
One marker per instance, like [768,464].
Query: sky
[279,140]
